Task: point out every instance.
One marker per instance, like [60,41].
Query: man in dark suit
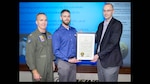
[108,55]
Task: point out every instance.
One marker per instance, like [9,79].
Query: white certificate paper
[85,45]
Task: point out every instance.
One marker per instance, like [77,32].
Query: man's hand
[36,75]
[96,57]
[73,60]
[54,66]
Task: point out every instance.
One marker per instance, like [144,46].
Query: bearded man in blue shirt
[64,49]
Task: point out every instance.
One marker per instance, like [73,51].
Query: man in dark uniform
[39,56]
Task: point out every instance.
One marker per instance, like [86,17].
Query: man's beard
[66,23]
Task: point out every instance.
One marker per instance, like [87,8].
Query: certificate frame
[85,45]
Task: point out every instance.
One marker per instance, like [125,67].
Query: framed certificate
[85,45]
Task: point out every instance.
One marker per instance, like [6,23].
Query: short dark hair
[40,14]
[109,4]
[65,10]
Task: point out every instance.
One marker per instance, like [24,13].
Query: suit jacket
[110,53]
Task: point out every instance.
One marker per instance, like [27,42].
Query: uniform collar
[38,32]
